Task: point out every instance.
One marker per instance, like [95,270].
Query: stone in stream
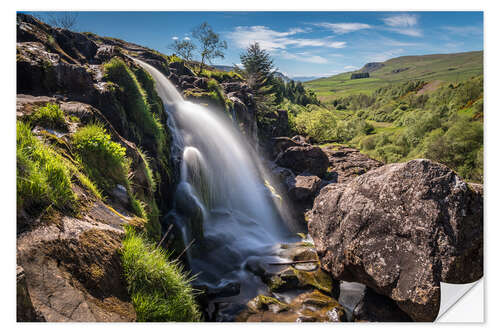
[311,306]
[301,276]
[401,229]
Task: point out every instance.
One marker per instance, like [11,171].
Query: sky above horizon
[302,43]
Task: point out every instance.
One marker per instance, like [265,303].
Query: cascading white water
[221,196]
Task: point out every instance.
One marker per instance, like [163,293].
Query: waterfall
[222,199]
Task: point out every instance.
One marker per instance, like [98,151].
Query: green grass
[49,116]
[221,76]
[159,289]
[43,179]
[445,67]
[104,161]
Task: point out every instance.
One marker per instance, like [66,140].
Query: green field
[445,67]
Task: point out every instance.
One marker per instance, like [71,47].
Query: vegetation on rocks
[43,179]
[49,116]
[160,291]
[135,104]
[402,122]
[105,161]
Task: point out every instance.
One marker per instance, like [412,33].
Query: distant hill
[223,68]
[444,67]
[305,78]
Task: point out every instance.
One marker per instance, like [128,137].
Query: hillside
[444,67]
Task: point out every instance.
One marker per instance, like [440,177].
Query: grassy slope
[446,67]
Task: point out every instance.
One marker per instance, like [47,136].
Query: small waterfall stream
[222,200]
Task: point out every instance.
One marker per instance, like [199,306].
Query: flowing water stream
[222,200]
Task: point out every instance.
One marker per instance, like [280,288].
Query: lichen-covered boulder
[401,229]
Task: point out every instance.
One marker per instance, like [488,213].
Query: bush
[42,177]
[319,125]
[160,291]
[104,160]
[460,148]
[49,116]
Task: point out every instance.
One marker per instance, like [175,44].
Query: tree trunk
[201,64]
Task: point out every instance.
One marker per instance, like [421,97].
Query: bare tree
[65,20]
[211,46]
[184,48]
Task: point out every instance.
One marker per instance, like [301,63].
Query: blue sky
[303,43]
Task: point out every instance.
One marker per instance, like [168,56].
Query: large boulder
[304,159]
[72,269]
[401,229]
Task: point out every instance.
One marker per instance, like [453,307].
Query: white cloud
[350,67]
[401,20]
[343,28]
[408,32]
[175,38]
[187,38]
[272,40]
[404,24]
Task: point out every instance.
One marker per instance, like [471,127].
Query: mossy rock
[292,278]
[307,307]
[263,302]
[209,98]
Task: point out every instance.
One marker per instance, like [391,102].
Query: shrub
[104,160]
[42,177]
[459,148]
[319,125]
[50,116]
[159,289]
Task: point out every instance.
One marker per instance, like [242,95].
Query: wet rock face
[401,229]
[40,70]
[377,308]
[304,159]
